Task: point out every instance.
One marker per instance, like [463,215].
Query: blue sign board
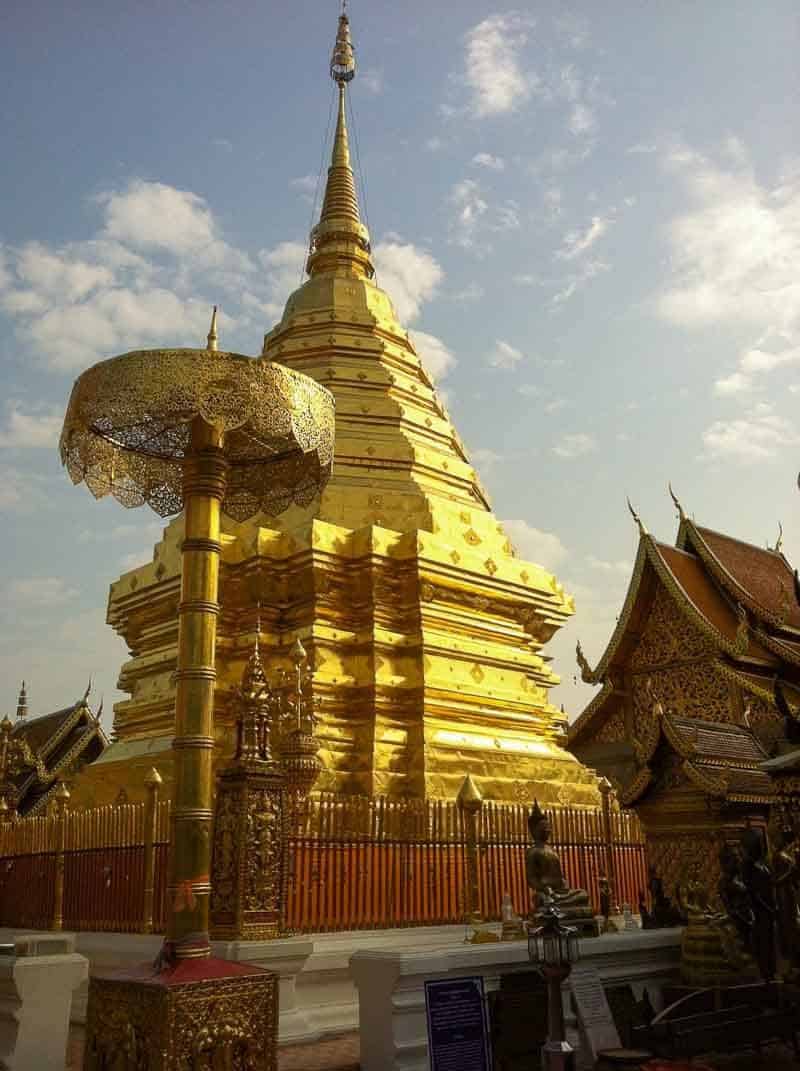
[458,1034]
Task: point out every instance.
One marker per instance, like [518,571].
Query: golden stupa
[425,632]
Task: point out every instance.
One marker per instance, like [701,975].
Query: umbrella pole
[204,483]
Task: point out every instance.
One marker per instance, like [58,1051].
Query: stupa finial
[22,702]
[343,60]
[340,239]
[212,334]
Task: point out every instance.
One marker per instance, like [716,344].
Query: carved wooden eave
[762,688]
[600,672]
[636,788]
[714,785]
[784,650]
[596,704]
[689,534]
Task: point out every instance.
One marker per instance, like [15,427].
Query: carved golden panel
[668,636]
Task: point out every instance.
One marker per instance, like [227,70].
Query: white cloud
[622,568]
[306,185]
[436,358]
[485,459]
[284,265]
[372,80]
[471,292]
[575,280]
[40,591]
[535,545]
[758,435]
[470,206]
[485,159]
[39,427]
[556,405]
[575,445]
[154,214]
[128,286]
[433,144]
[494,73]
[736,253]
[504,355]
[410,275]
[577,242]
[572,89]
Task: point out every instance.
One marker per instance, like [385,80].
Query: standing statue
[733,893]
[545,877]
[757,877]
[786,874]
[664,912]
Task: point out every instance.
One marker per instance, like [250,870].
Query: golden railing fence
[352,863]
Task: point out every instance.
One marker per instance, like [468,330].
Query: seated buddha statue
[545,877]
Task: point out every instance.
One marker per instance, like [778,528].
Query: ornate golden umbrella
[203,431]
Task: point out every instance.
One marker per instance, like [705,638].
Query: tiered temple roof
[42,751]
[702,670]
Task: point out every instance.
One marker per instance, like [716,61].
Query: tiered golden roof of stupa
[424,630]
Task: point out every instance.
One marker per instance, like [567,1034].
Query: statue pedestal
[201,1010]
[391,985]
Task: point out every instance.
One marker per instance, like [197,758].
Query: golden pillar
[470,802]
[152,784]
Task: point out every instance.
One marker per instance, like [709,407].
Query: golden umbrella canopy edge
[128,423]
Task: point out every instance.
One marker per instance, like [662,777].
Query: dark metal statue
[733,892]
[786,874]
[758,879]
[664,913]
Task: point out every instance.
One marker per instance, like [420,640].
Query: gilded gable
[668,636]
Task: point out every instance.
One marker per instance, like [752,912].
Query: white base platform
[318,994]
[391,984]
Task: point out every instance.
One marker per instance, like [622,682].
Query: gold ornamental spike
[154,777]
[297,652]
[212,334]
[22,702]
[469,794]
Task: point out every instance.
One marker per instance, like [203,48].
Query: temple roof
[759,577]
[59,742]
[742,598]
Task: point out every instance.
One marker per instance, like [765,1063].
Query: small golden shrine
[425,632]
[700,684]
[36,753]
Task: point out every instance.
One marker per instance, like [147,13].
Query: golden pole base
[200,1013]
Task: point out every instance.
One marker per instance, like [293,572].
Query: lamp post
[554,949]
[208,432]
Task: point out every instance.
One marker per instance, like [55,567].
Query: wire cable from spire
[318,187]
[360,170]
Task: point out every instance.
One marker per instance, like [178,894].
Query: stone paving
[341,1054]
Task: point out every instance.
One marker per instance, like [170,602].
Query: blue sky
[588,215]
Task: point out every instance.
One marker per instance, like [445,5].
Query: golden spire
[638,519]
[22,702]
[340,239]
[211,338]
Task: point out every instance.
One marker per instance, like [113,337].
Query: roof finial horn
[211,338]
[779,542]
[637,518]
[87,693]
[677,504]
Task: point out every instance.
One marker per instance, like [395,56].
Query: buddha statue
[545,877]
